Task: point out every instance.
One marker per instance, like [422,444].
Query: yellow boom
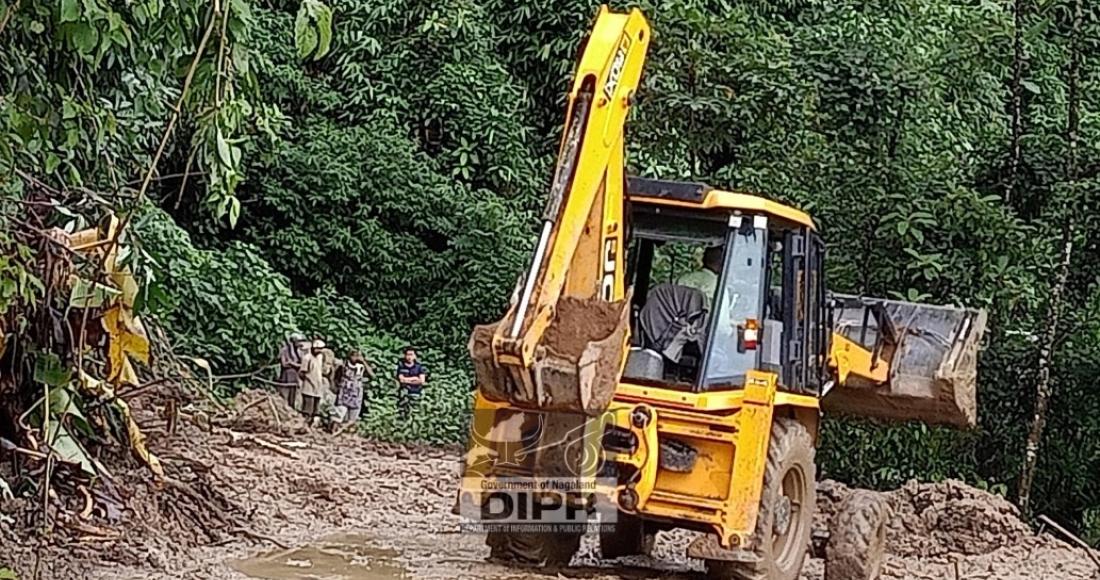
[578,262]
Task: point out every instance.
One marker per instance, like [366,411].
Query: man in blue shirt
[411,377]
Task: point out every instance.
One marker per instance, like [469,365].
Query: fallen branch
[240,413]
[8,445]
[1072,538]
[269,382]
[436,490]
[242,531]
[88,505]
[238,437]
[248,375]
[130,394]
[90,530]
[275,413]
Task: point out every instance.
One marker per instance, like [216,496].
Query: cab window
[674,265]
[735,324]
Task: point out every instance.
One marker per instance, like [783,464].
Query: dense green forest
[379,185]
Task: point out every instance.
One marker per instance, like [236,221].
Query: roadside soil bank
[277,502]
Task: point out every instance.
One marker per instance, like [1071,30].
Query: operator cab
[723,283]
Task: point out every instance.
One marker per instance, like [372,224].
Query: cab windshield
[737,305]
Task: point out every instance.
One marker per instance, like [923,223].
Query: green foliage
[885,457]
[313,30]
[1091,525]
[233,309]
[416,248]
[672,260]
[399,179]
[229,307]
[442,416]
[90,86]
[49,371]
[131,50]
[17,284]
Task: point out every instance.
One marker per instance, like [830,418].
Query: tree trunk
[1016,89]
[1043,387]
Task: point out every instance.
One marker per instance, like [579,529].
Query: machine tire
[857,538]
[630,538]
[551,549]
[539,549]
[789,475]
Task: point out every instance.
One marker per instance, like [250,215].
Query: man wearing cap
[313,380]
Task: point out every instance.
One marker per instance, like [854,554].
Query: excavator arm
[561,344]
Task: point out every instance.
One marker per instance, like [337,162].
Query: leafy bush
[886,456]
[405,175]
[229,307]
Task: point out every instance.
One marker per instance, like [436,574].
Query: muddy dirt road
[340,507]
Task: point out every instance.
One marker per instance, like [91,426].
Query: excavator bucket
[931,358]
[576,364]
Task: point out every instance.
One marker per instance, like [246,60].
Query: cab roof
[689,195]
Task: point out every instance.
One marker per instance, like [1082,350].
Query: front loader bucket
[932,356]
[576,366]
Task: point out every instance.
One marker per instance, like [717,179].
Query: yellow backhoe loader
[684,394]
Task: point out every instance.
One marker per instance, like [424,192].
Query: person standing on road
[411,377]
[326,408]
[350,396]
[290,361]
[328,370]
[303,351]
[313,380]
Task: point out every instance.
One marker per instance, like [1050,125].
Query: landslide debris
[244,500]
[259,411]
[939,519]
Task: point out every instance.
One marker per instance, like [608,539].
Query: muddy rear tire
[857,538]
[629,538]
[550,549]
[532,548]
[782,533]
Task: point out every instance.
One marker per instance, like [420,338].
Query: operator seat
[671,329]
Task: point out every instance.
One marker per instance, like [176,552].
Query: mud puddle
[335,557]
